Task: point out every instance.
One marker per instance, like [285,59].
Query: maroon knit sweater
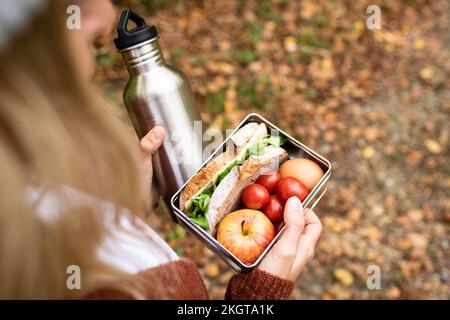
[182,276]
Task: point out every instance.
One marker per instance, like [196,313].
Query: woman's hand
[295,248]
[149,144]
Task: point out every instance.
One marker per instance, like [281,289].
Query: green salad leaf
[198,210]
[202,222]
[258,147]
[199,205]
[225,172]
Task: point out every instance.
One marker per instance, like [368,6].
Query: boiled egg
[305,170]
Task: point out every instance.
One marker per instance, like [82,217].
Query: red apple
[245,233]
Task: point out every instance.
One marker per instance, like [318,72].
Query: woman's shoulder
[179,280]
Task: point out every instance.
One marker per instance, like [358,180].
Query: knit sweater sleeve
[181,280]
[177,280]
[258,285]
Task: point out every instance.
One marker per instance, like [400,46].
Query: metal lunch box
[295,149]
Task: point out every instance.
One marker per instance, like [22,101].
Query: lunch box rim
[314,197]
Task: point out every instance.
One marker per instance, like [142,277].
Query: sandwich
[215,190]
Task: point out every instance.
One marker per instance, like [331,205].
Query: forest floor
[374,102]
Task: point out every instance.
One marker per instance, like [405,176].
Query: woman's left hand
[149,144]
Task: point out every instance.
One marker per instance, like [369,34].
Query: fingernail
[156,133]
[294,203]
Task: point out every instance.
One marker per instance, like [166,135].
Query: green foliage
[216,101]
[176,233]
[241,4]
[105,60]
[248,91]
[268,10]
[263,79]
[161,209]
[309,37]
[197,62]
[246,57]
[305,54]
[310,93]
[320,20]
[255,34]
[176,53]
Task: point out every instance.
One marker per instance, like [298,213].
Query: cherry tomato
[278,227]
[270,180]
[274,209]
[255,196]
[289,187]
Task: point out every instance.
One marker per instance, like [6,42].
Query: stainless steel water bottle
[159,94]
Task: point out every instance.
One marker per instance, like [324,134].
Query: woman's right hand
[295,248]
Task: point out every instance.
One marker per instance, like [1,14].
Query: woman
[69,168]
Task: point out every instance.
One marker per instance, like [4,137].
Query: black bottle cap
[141,33]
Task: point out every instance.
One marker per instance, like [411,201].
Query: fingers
[296,245]
[308,241]
[294,225]
[153,139]
[293,218]
[313,226]
[280,260]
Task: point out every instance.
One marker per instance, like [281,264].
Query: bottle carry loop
[129,38]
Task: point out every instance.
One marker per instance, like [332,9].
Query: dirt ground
[374,102]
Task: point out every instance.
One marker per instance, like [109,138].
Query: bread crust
[199,180]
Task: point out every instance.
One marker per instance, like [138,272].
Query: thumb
[153,139]
[294,220]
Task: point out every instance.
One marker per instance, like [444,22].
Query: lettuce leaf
[201,221]
[258,147]
[225,172]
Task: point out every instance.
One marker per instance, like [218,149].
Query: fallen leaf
[308,9]
[427,73]
[371,256]
[418,241]
[212,269]
[226,68]
[354,214]
[368,152]
[393,293]
[290,44]
[415,215]
[433,146]
[373,233]
[327,296]
[419,44]
[339,292]
[371,133]
[322,68]
[330,135]
[343,276]
[389,201]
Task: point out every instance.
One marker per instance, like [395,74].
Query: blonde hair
[54,131]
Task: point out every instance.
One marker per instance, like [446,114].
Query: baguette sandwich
[216,189]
